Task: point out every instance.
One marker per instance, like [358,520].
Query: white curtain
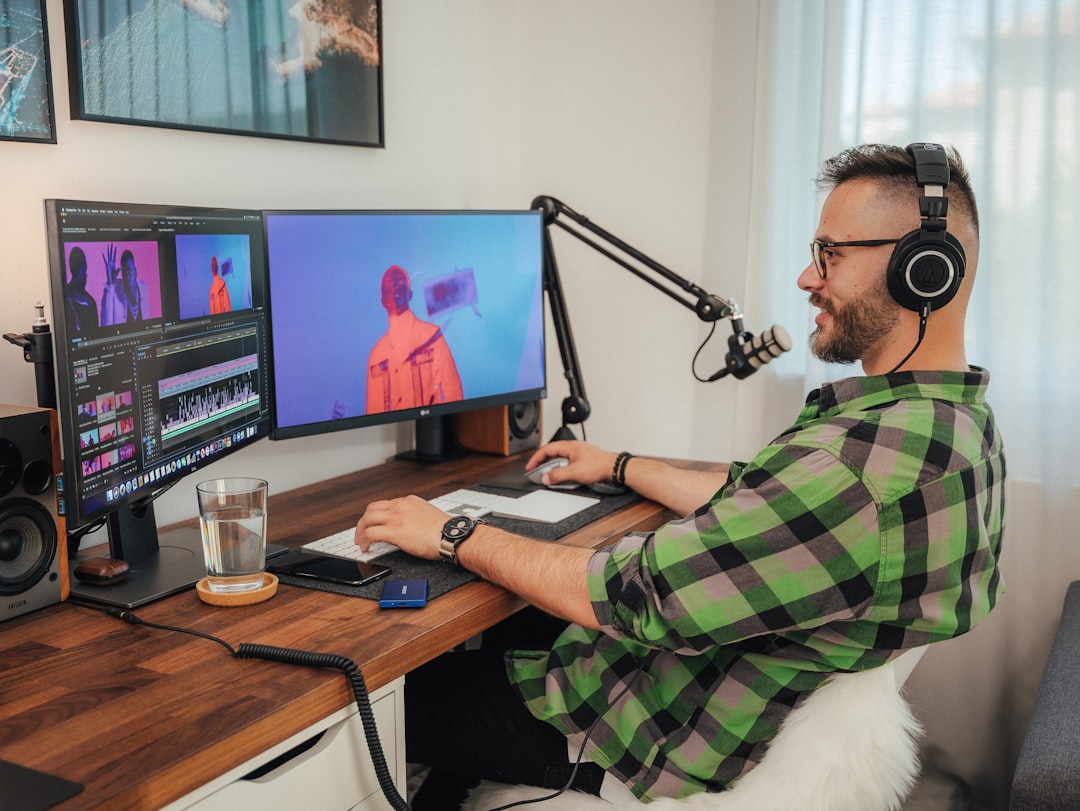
[1000,81]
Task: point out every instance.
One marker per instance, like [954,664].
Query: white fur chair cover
[851,746]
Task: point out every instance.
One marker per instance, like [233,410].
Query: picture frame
[307,70]
[26,101]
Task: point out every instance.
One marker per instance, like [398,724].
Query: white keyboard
[341,545]
[546,506]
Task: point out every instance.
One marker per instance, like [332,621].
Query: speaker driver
[27,544]
[37,477]
[524,418]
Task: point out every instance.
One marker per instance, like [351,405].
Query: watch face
[458,527]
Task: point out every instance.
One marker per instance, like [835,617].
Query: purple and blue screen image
[477,276]
[194,276]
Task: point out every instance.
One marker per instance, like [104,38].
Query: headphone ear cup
[926,267]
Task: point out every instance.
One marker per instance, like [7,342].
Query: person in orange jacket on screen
[219,292]
[411,364]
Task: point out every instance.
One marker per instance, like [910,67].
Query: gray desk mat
[442,576]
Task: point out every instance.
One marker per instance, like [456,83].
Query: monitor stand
[435,442]
[159,564]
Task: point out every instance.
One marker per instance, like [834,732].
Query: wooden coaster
[265,592]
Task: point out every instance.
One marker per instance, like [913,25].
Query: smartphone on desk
[328,568]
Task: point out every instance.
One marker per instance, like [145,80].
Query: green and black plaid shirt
[870,526]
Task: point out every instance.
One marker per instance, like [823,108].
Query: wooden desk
[143,717]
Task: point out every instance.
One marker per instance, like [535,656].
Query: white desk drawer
[334,773]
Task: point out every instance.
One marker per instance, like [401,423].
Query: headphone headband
[931,164]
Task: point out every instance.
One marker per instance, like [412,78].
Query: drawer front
[334,773]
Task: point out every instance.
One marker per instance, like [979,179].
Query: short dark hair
[77,258]
[895,168]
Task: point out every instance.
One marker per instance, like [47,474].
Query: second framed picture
[308,70]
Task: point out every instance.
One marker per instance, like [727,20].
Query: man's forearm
[679,489]
[550,576]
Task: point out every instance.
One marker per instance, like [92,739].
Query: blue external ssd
[404,594]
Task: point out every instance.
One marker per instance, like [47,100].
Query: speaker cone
[523,418]
[27,544]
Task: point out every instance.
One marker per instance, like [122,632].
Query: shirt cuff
[607,582]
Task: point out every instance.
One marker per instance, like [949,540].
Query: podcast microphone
[746,354]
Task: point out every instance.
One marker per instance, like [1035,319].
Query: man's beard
[856,327]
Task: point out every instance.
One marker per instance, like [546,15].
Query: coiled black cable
[248,650]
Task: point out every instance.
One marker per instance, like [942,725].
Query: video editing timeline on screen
[202,383]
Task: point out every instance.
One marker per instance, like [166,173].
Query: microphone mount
[707,306]
[37,349]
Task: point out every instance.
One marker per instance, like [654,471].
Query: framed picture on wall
[26,106]
[307,70]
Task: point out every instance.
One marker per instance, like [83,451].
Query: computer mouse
[536,475]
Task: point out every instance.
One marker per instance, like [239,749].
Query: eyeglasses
[817,248]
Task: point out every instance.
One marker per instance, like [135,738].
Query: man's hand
[679,489]
[112,269]
[588,464]
[409,523]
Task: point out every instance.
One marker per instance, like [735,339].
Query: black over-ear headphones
[927,265]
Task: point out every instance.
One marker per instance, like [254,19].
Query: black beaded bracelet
[618,474]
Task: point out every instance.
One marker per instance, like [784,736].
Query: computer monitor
[382,316]
[161,350]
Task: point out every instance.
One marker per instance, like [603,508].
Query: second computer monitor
[382,316]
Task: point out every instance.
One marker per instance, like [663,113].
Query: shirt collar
[875,391]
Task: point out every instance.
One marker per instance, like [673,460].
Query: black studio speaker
[33,547]
[501,430]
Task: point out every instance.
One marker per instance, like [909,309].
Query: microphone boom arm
[708,307]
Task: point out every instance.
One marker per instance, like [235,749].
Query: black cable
[923,316]
[75,536]
[132,619]
[270,653]
[581,751]
[693,363]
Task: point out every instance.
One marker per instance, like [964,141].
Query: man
[113,309]
[81,307]
[411,365]
[871,526]
[219,291]
[136,297]
[125,298]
